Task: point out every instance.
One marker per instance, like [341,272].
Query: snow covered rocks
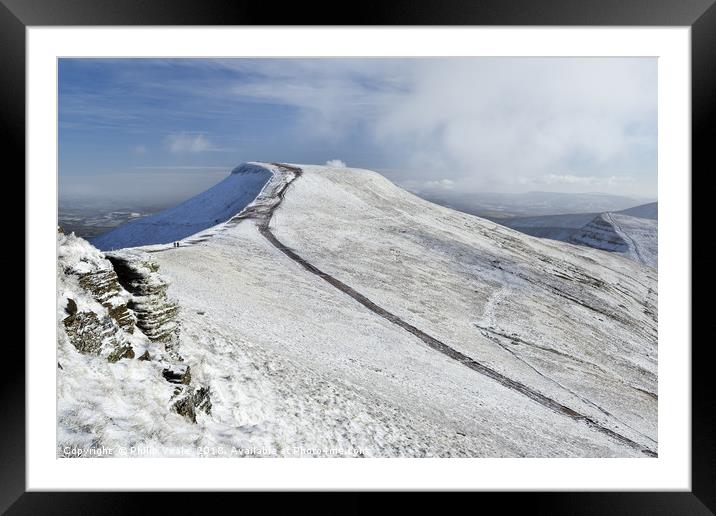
[92,306]
[102,326]
[155,313]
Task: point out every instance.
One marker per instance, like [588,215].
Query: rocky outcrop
[156,315]
[189,403]
[177,373]
[116,306]
[88,332]
[202,399]
[102,322]
[106,290]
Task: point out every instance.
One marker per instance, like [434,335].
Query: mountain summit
[212,207]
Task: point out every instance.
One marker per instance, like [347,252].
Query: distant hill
[209,208]
[632,232]
[645,211]
[530,204]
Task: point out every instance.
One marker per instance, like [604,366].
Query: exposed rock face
[88,332]
[155,313]
[156,317]
[101,323]
[177,373]
[187,399]
[202,399]
[104,299]
[105,289]
[189,403]
[71,308]
[120,352]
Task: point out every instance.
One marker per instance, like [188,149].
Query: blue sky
[165,129]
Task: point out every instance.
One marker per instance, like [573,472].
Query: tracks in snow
[263,220]
[262,213]
[625,236]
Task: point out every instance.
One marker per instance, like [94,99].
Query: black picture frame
[700,15]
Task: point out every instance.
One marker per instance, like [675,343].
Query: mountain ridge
[543,323]
[632,232]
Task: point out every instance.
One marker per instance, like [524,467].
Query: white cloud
[189,168]
[482,122]
[188,143]
[429,186]
[569,179]
[491,121]
[336,163]
[139,150]
[439,184]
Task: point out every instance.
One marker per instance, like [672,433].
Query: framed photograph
[430,248]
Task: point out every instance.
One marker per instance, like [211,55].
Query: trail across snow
[438,345]
[432,268]
[336,310]
[632,233]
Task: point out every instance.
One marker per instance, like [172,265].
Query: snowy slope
[203,211]
[527,204]
[632,233]
[633,237]
[570,322]
[645,211]
[543,348]
[556,227]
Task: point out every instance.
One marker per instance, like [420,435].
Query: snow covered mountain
[203,211]
[633,237]
[645,211]
[528,204]
[339,315]
[632,233]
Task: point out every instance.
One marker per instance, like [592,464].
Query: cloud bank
[483,123]
[459,124]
